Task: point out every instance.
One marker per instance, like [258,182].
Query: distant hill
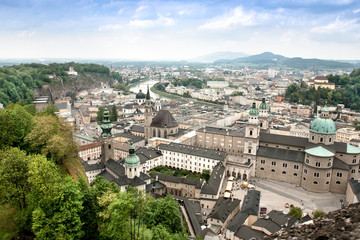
[268,59]
[212,57]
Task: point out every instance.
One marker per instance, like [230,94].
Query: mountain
[268,59]
[218,56]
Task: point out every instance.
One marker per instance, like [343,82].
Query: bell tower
[148,115]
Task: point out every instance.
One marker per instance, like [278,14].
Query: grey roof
[305,219]
[237,221]
[282,154]
[62,105]
[223,208]
[355,186]
[146,154]
[92,167]
[195,151]
[132,137]
[106,175]
[164,119]
[283,140]
[340,147]
[267,224]
[158,185]
[136,128]
[338,164]
[189,181]
[115,167]
[192,216]
[248,233]
[212,187]
[136,181]
[223,131]
[282,219]
[251,203]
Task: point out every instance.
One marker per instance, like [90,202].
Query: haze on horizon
[178,30]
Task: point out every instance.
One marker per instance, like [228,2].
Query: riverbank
[183,99]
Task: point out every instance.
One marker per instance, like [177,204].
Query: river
[144,85]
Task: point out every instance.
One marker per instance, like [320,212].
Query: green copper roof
[352,149]
[132,159]
[253,111]
[263,105]
[106,126]
[319,152]
[323,125]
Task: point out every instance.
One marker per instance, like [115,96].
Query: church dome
[140,95]
[164,119]
[132,159]
[253,111]
[263,105]
[323,124]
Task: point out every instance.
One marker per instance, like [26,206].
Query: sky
[178,30]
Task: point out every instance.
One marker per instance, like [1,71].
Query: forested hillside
[40,199]
[347,92]
[17,83]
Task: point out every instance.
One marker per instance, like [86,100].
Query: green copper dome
[132,159]
[323,124]
[253,111]
[263,105]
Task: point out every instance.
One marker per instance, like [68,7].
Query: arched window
[327,182]
[321,139]
[337,182]
[283,172]
[312,138]
[165,134]
[315,182]
[272,170]
[261,124]
[329,139]
[295,174]
[154,132]
[262,168]
[251,132]
[159,133]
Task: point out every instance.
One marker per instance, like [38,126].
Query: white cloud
[233,19]
[183,12]
[337,26]
[25,34]
[160,21]
[111,27]
[356,11]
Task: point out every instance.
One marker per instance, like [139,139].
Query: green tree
[100,114]
[318,213]
[205,175]
[296,212]
[113,114]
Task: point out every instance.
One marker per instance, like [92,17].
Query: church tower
[148,115]
[263,115]
[252,132]
[105,137]
[132,163]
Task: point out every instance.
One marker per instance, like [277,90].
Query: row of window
[327,182]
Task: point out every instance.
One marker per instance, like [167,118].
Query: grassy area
[7,223]
[75,168]
[168,95]
[179,172]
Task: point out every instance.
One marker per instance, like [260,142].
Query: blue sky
[174,30]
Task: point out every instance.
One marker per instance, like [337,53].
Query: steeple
[106,125]
[148,94]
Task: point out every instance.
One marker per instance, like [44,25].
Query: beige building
[346,134]
[182,187]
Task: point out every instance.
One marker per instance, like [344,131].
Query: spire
[106,125]
[148,93]
[253,111]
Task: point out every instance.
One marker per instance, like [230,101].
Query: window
[262,161]
[315,182]
[285,165]
[316,174]
[354,160]
[317,164]
[249,150]
[283,172]
[262,169]
[272,170]
[352,170]
[328,175]
[273,163]
[321,139]
[337,182]
[305,171]
[251,132]
[329,164]
[307,160]
[339,174]
[304,178]
[295,174]
[296,166]
[312,138]
[329,139]
[327,182]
